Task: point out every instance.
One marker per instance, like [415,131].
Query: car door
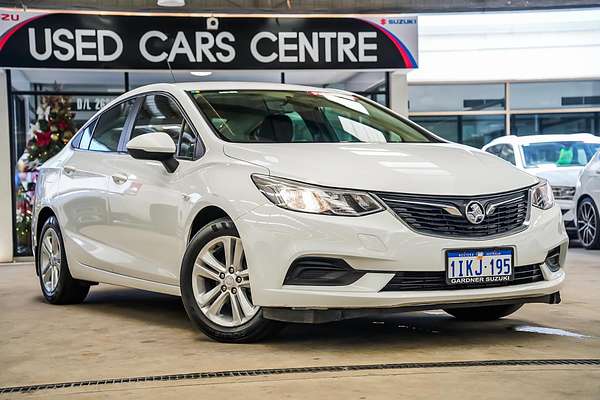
[84,185]
[145,200]
[590,179]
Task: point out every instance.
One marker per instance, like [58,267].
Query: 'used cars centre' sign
[84,40]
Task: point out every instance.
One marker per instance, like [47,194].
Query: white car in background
[259,203]
[586,203]
[556,158]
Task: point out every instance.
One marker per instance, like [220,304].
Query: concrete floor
[122,332]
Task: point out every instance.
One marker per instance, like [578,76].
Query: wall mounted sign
[84,40]
[89,103]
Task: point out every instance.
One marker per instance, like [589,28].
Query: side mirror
[156,146]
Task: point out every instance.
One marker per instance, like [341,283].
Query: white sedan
[586,203]
[261,203]
[556,158]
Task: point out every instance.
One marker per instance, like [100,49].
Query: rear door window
[508,153]
[495,150]
[85,137]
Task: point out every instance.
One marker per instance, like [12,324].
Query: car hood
[424,168]
[558,176]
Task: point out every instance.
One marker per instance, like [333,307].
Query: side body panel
[140,229]
[588,184]
[81,207]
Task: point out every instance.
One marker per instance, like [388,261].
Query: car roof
[571,137]
[211,86]
[215,85]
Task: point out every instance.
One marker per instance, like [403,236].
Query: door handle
[69,170]
[119,179]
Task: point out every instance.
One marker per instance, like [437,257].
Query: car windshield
[561,154]
[267,116]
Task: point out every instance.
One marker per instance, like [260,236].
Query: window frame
[509,147]
[200,148]
[76,142]
[511,114]
[495,146]
[126,126]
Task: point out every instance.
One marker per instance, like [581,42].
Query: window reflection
[541,124]
[472,130]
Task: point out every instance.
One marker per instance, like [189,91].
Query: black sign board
[82,40]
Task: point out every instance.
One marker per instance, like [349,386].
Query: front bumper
[381,244]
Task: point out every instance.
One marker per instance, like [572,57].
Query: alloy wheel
[50,260]
[221,284]
[586,223]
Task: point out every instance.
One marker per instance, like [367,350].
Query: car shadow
[411,329]
[575,244]
[430,329]
[152,308]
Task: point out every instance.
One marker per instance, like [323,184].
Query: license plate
[479,266]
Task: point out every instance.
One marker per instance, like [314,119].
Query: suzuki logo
[474,212]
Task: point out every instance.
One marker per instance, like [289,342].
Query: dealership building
[467,76]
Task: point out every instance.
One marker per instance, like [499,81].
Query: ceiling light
[170,3]
[201,73]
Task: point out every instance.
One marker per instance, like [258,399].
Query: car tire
[486,313]
[57,284]
[216,292]
[588,224]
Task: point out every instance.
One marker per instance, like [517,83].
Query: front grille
[563,192]
[436,280]
[445,215]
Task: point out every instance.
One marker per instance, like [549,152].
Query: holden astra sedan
[557,158]
[261,203]
[585,205]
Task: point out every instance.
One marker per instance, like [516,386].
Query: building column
[398,91]
[6,211]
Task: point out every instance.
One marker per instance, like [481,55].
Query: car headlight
[541,195]
[307,198]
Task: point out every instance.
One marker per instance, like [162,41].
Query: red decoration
[42,139]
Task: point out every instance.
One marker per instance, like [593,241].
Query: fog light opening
[321,271]
[553,259]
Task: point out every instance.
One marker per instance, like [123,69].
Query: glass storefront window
[472,130]
[456,97]
[45,116]
[40,132]
[60,80]
[371,85]
[82,105]
[538,95]
[557,123]
[479,130]
[445,126]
